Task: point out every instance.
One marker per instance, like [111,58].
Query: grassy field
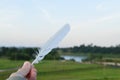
[68,70]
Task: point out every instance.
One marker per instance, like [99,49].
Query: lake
[76,58]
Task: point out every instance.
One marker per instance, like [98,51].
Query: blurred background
[90,51]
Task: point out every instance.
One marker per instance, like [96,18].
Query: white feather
[51,43]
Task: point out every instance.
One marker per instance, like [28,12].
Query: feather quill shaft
[51,43]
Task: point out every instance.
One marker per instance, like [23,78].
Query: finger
[33,74]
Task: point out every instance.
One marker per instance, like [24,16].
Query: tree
[53,55]
[19,56]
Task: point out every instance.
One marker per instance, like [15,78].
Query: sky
[33,22]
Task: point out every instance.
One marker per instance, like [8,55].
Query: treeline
[23,53]
[92,49]
[15,53]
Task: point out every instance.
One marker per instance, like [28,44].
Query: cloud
[102,19]
[9,16]
[99,7]
[47,16]
[102,7]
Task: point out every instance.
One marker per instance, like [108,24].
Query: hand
[27,71]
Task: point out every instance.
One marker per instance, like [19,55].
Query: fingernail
[26,63]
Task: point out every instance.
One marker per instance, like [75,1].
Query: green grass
[6,64]
[54,70]
[68,70]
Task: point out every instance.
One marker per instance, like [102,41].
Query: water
[76,58]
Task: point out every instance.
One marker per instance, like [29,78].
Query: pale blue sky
[32,22]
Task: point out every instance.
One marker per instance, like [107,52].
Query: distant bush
[72,60]
[19,56]
[53,55]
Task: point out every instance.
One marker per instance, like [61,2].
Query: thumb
[25,69]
